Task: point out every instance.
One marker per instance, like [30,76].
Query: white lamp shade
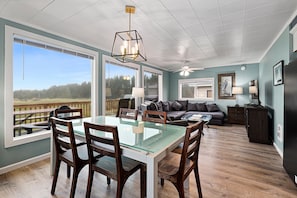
[137,92]
[237,90]
[253,90]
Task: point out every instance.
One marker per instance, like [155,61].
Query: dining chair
[176,168]
[66,113]
[128,113]
[67,151]
[112,164]
[155,116]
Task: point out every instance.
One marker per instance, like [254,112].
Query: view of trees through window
[46,78]
[151,86]
[119,82]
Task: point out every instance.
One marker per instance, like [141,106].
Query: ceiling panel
[206,33]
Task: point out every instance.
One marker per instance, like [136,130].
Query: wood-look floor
[230,166]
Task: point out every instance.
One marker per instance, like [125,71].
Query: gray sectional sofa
[178,108]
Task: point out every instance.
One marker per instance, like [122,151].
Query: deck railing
[39,113]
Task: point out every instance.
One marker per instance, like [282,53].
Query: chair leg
[107,180]
[74,181]
[56,173]
[120,187]
[180,188]
[68,171]
[198,181]
[90,181]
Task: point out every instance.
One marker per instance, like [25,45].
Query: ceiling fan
[186,70]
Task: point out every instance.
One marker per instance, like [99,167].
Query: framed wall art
[278,74]
[225,84]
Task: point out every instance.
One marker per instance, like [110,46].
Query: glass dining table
[146,142]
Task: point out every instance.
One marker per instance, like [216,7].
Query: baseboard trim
[26,162]
[277,149]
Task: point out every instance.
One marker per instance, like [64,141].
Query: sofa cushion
[184,104]
[212,107]
[175,115]
[176,106]
[192,107]
[166,106]
[201,107]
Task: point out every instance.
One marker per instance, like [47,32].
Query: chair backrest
[155,116]
[63,136]
[190,149]
[125,103]
[103,144]
[128,113]
[68,114]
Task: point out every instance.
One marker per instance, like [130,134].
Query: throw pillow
[160,105]
[201,107]
[184,104]
[166,106]
[192,107]
[177,106]
[153,106]
[212,107]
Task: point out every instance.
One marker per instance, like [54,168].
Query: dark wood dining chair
[66,113]
[176,168]
[112,164]
[67,151]
[128,113]
[155,116]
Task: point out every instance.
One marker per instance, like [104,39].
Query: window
[152,83]
[42,74]
[118,82]
[196,89]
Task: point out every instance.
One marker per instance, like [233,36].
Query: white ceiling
[205,33]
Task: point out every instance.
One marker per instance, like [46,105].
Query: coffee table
[197,117]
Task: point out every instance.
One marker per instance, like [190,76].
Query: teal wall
[242,78]
[273,96]
[26,151]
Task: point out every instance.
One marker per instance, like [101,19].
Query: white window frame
[160,79]
[9,139]
[195,80]
[109,59]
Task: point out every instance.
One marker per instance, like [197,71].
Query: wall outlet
[295,178]
[279,132]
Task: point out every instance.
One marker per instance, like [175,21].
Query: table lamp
[137,92]
[253,90]
[237,91]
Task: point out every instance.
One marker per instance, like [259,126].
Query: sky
[37,68]
[41,68]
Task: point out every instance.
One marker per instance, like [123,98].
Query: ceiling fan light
[186,73]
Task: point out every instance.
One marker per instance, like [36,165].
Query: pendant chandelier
[128,45]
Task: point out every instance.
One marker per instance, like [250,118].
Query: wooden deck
[229,166]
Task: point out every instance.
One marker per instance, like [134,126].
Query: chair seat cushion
[169,166]
[82,152]
[108,165]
